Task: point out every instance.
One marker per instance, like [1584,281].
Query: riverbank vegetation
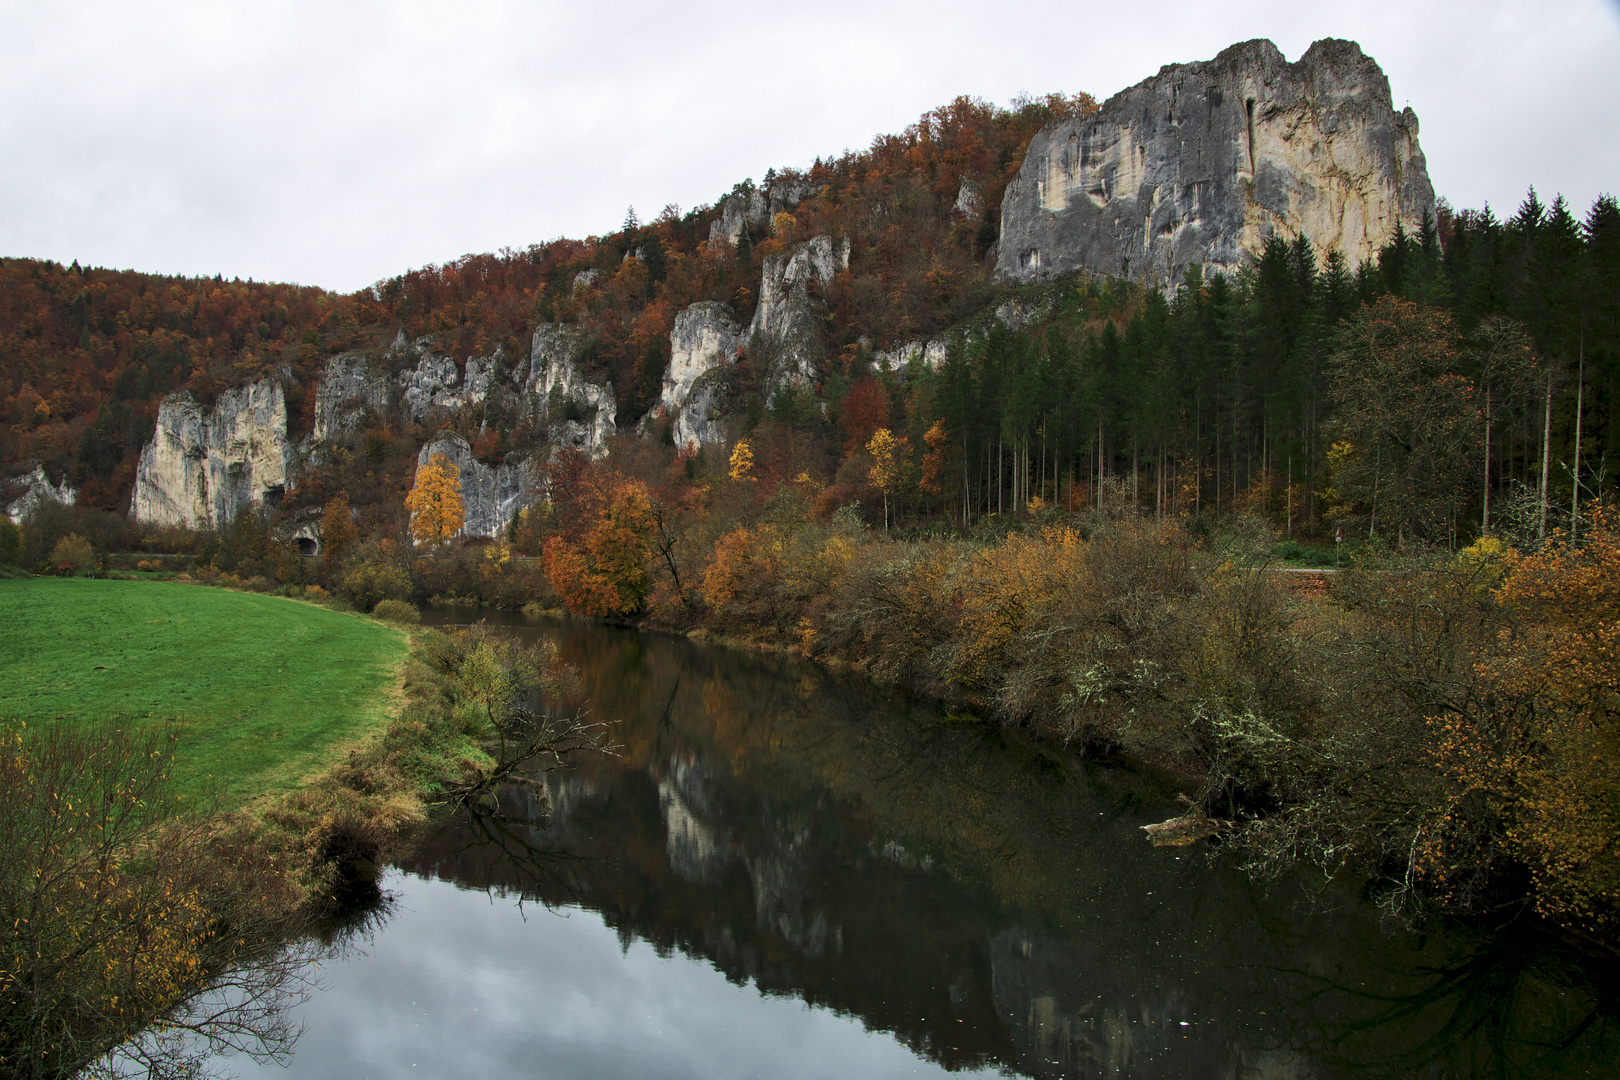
[163,912]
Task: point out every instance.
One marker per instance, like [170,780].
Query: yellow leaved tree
[435,501]
[888,465]
[1539,750]
[742,461]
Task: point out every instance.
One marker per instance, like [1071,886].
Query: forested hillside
[87,353]
[1209,397]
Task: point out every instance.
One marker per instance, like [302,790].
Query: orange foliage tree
[934,460]
[435,501]
[1543,749]
[337,530]
[601,566]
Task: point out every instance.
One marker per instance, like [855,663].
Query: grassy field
[261,689]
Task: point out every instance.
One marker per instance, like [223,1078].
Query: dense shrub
[372,573]
[73,555]
[397,611]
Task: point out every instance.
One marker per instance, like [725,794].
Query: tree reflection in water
[987,900]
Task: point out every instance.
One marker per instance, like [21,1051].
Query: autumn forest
[1075,523]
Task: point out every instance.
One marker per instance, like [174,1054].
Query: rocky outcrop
[742,209]
[438,383]
[576,411]
[787,320]
[931,353]
[27,492]
[490,495]
[969,201]
[353,387]
[349,389]
[1202,162]
[703,344]
[752,208]
[202,468]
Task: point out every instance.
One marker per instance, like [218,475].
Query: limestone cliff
[201,468]
[26,492]
[703,343]
[576,411]
[786,331]
[1203,161]
[355,386]
[490,495]
[349,389]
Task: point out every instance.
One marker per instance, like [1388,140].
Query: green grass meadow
[260,689]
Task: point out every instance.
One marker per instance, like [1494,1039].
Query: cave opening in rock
[307,546]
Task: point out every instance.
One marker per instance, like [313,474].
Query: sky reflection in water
[460,983]
[778,860]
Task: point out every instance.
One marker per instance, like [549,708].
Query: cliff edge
[1202,162]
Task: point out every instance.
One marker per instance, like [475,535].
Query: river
[790,873]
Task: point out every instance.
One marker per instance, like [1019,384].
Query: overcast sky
[336,143]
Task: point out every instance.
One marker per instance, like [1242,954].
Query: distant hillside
[86,354]
[1147,289]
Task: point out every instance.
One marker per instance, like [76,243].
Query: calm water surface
[790,874]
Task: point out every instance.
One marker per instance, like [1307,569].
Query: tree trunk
[1575,470]
[1546,457]
[1485,514]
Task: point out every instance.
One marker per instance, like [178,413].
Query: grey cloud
[337,144]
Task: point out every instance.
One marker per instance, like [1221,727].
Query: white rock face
[352,385]
[576,411]
[36,489]
[969,200]
[200,468]
[755,208]
[703,343]
[786,322]
[1202,162]
[932,353]
[437,383]
[490,496]
[349,388]
[738,212]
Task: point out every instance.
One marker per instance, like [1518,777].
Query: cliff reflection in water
[990,902]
